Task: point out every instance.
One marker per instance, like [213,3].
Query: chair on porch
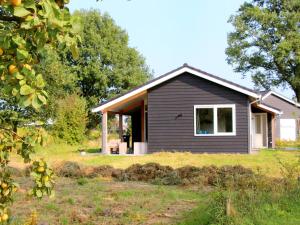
[113,146]
[116,146]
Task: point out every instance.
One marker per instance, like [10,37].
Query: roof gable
[269,93]
[181,70]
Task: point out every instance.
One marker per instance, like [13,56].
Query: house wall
[168,132]
[289,110]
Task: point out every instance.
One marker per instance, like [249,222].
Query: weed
[82,181]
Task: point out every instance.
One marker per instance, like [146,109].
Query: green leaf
[26,90]
[40,81]
[19,11]
[74,51]
[42,99]
[27,102]
[22,54]
[36,103]
[15,92]
[30,4]
[18,40]
[39,193]
[19,76]
[22,82]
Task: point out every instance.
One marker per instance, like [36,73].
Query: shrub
[82,181]
[71,119]
[93,134]
[285,143]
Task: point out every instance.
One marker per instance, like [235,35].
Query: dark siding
[289,110]
[170,132]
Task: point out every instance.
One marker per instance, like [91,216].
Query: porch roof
[269,108]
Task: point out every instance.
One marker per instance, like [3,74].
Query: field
[107,201]
[266,160]
[96,201]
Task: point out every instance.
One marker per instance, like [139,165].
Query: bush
[93,134]
[286,144]
[71,119]
[82,181]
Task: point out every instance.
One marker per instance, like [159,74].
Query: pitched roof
[268,93]
[172,74]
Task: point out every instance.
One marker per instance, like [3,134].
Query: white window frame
[215,116]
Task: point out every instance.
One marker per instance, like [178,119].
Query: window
[214,120]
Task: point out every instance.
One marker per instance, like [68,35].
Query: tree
[27,28]
[106,66]
[71,117]
[59,82]
[266,43]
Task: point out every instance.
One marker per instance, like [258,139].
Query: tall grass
[268,201]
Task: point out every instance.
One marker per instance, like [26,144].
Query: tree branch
[10,19]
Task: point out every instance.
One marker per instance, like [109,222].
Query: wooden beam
[131,107]
[273,122]
[111,108]
[104,133]
[121,127]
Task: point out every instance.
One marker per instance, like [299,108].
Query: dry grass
[266,160]
[97,201]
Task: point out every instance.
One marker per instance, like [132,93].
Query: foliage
[71,119]
[285,144]
[106,66]
[93,134]
[60,81]
[266,42]
[27,28]
[269,201]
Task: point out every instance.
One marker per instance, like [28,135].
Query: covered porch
[132,143]
[262,126]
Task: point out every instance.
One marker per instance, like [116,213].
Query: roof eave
[171,75]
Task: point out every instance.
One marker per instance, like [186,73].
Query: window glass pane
[225,120]
[205,121]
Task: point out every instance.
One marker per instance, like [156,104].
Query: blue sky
[169,33]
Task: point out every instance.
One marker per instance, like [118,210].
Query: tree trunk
[297,93]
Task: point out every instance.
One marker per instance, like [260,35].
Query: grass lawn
[96,201]
[100,201]
[265,160]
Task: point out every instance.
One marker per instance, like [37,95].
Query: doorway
[259,130]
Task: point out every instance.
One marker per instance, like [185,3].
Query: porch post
[273,124]
[121,127]
[104,133]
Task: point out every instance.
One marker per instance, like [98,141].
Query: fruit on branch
[1,51]
[16,2]
[12,69]
[41,169]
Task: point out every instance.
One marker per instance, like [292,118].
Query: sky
[169,33]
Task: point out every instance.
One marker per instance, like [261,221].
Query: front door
[259,130]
